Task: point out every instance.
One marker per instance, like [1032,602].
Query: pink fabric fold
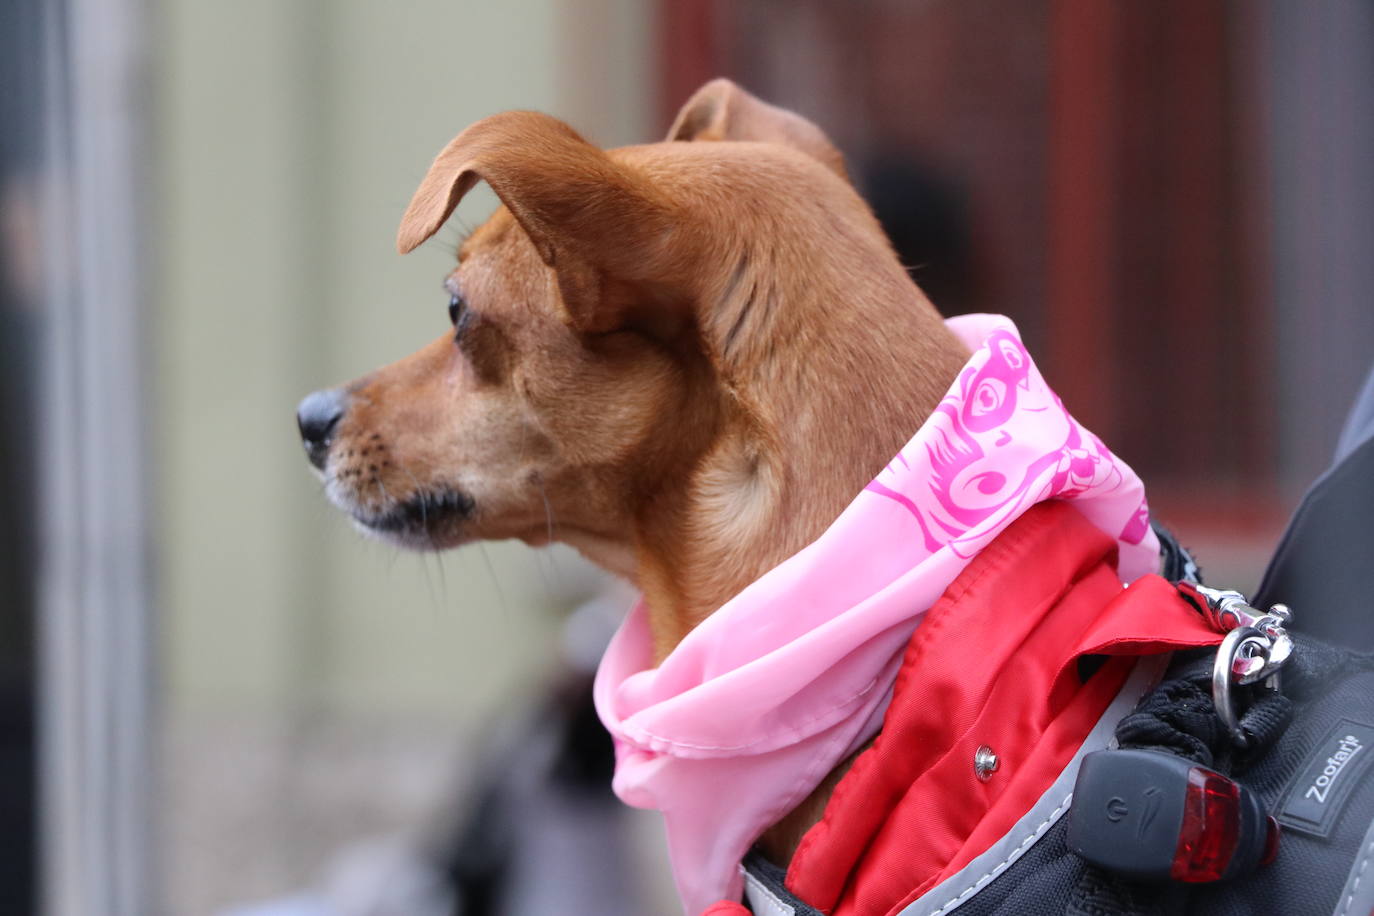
[768,694]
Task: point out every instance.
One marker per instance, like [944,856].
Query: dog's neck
[804,423]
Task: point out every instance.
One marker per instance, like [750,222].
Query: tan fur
[684,358]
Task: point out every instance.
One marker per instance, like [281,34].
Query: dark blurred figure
[541,832]
[925,214]
[20,155]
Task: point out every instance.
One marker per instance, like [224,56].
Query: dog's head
[612,325]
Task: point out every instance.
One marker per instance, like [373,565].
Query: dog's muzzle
[318,417]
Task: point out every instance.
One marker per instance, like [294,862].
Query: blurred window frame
[93,592]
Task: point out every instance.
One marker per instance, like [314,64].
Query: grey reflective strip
[958,888]
[763,901]
[1358,894]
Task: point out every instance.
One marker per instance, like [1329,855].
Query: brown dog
[683,359]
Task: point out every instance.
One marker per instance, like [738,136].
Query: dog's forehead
[499,271]
[492,232]
[495,249]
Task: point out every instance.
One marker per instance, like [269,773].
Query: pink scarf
[767,695]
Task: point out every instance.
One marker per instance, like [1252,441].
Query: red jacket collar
[995,664]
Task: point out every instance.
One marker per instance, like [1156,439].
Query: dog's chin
[426,521]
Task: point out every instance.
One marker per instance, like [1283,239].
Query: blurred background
[216,698]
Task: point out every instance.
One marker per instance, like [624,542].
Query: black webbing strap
[1178,718]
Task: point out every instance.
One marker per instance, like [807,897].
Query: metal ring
[1221,679]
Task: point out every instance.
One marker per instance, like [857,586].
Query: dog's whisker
[548,509]
[429,533]
[434,598]
[439,565]
[495,579]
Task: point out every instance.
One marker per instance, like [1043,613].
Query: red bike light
[1151,816]
[1210,831]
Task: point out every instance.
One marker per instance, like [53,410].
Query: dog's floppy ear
[720,110]
[593,221]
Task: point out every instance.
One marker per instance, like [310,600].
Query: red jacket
[1032,653]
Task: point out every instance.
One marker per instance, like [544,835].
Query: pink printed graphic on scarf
[1000,441]
[1138,526]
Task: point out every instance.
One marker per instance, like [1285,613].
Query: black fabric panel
[1322,566]
[1040,883]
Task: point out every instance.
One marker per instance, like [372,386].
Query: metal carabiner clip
[1241,659]
[1249,654]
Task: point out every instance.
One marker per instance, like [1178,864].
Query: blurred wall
[1319,71]
[319,687]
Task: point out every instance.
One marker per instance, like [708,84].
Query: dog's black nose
[317,416]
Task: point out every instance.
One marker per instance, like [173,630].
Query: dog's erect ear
[720,110]
[592,220]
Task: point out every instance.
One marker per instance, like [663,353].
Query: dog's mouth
[426,521]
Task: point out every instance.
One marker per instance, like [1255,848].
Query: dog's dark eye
[456,307]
